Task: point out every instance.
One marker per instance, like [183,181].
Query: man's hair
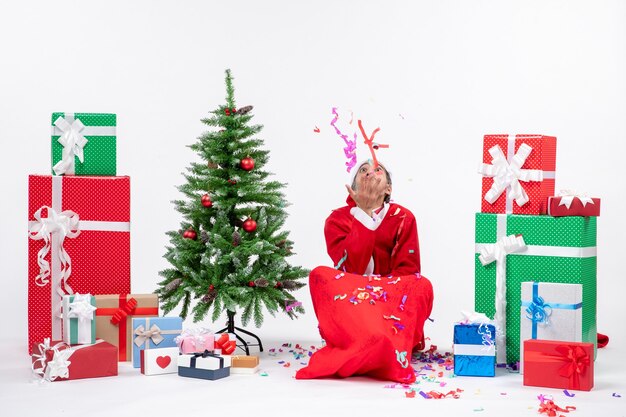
[387,196]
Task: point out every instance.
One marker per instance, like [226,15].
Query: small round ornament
[190,234]
[249,225]
[206,201]
[247,164]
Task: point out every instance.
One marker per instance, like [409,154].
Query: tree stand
[230,328]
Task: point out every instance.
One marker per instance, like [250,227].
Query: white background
[434,76]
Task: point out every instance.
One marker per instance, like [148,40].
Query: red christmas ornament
[230,112]
[247,164]
[232,182]
[278,284]
[251,284]
[211,287]
[206,201]
[190,234]
[249,225]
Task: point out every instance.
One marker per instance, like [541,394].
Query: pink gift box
[192,341]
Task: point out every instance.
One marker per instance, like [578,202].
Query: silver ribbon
[497,253]
[73,143]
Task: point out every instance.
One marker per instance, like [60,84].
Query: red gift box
[58,361]
[558,364]
[518,173]
[79,229]
[560,206]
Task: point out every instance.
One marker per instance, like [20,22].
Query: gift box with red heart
[159,361]
[558,364]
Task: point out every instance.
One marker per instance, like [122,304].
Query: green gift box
[83,144]
[79,319]
[552,249]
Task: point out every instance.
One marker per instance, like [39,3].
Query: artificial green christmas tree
[230,253]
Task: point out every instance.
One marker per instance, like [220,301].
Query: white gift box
[159,361]
[550,311]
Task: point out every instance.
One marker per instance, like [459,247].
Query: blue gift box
[154,332]
[474,350]
[205,365]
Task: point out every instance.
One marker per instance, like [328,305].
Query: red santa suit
[372,305]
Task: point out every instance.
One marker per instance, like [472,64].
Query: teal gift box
[154,332]
[79,319]
[555,249]
[84,144]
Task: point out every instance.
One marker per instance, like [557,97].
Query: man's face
[373,177]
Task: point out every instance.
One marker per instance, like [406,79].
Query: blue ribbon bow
[538,311]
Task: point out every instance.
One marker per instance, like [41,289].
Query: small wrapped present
[568,203]
[243,364]
[195,340]
[58,361]
[225,343]
[114,318]
[83,144]
[154,332]
[558,364]
[474,349]
[79,324]
[204,365]
[79,242]
[159,361]
[518,173]
[551,311]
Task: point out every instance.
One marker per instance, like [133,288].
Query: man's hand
[370,193]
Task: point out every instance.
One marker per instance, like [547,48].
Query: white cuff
[365,219]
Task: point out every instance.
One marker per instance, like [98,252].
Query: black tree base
[231,328]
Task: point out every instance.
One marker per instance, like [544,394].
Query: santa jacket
[386,244]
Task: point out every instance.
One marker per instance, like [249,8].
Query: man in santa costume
[372,305]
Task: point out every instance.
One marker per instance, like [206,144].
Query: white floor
[279,394]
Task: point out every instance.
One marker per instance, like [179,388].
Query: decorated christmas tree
[231,252]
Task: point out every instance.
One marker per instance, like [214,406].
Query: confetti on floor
[616,395]
[569,394]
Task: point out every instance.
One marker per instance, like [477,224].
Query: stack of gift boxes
[535,265]
[82,317]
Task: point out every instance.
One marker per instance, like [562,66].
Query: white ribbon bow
[65,225]
[58,367]
[81,308]
[143,335]
[474,318]
[498,252]
[568,196]
[508,175]
[73,143]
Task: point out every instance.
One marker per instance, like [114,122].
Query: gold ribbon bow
[143,335]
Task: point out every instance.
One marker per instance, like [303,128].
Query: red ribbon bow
[576,362]
[550,408]
[228,346]
[123,312]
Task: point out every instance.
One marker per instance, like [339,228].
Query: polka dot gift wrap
[94,256]
[558,249]
[84,144]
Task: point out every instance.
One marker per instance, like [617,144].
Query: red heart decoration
[163,361]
